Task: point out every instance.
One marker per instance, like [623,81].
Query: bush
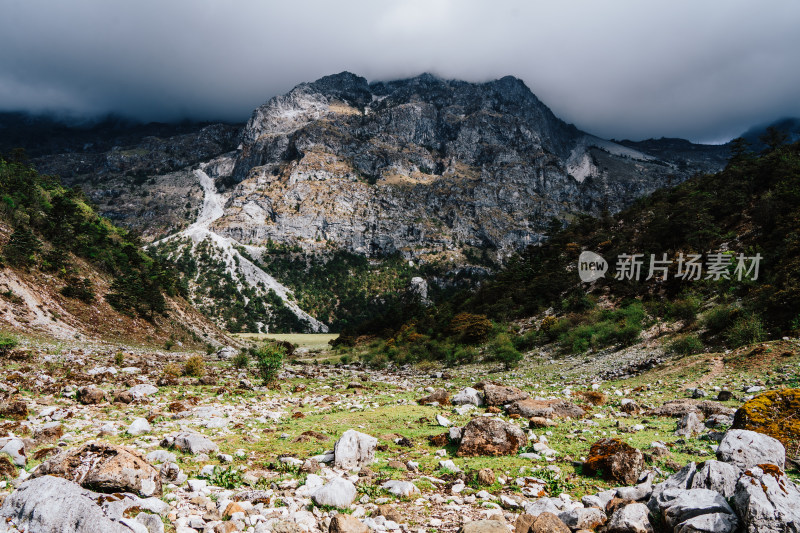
[227,478]
[746,330]
[720,318]
[686,345]
[79,289]
[504,351]
[620,326]
[172,371]
[241,359]
[471,328]
[684,309]
[7,343]
[269,359]
[119,359]
[195,367]
[528,340]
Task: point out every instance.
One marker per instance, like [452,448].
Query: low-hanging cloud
[617,68]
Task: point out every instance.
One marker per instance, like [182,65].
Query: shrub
[746,330]
[241,359]
[227,478]
[7,343]
[269,359]
[195,367]
[172,371]
[684,309]
[686,345]
[528,340]
[471,328]
[119,359]
[504,352]
[379,361]
[547,323]
[720,318]
[79,289]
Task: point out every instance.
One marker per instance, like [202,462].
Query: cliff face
[426,167]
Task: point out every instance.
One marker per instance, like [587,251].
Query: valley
[363,313]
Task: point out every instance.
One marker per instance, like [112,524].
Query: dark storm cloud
[635,69]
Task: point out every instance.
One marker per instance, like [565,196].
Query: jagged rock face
[423,166]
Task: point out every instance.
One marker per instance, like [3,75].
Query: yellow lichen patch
[775,413]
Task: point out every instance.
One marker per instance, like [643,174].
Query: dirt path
[717,367]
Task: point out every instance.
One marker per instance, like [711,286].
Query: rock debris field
[100,438]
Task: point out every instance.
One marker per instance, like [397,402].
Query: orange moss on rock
[775,413]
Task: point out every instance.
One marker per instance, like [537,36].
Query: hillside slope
[726,223]
[68,273]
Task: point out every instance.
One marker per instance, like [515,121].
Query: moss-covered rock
[616,460]
[775,413]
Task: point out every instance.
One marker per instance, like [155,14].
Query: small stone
[140,426]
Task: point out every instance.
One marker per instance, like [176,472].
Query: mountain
[789,127]
[430,168]
[332,197]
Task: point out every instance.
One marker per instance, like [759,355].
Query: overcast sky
[703,70]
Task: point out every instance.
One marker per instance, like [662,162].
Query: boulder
[338,492]
[747,448]
[15,449]
[104,467]
[690,425]
[484,526]
[495,395]
[583,518]
[486,476]
[631,518]
[681,479]
[710,408]
[767,501]
[7,469]
[681,505]
[674,408]
[709,523]
[530,408]
[549,523]
[90,395]
[138,392]
[773,413]
[617,460]
[194,443]
[401,489]
[344,523]
[50,504]
[717,476]
[354,449]
[440,396]
[225,353]
[151,522]
[468,396]
[524,523]
[642,491]
[16,410]
[49,433]
[630,407]
[140,426]
[490,436]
